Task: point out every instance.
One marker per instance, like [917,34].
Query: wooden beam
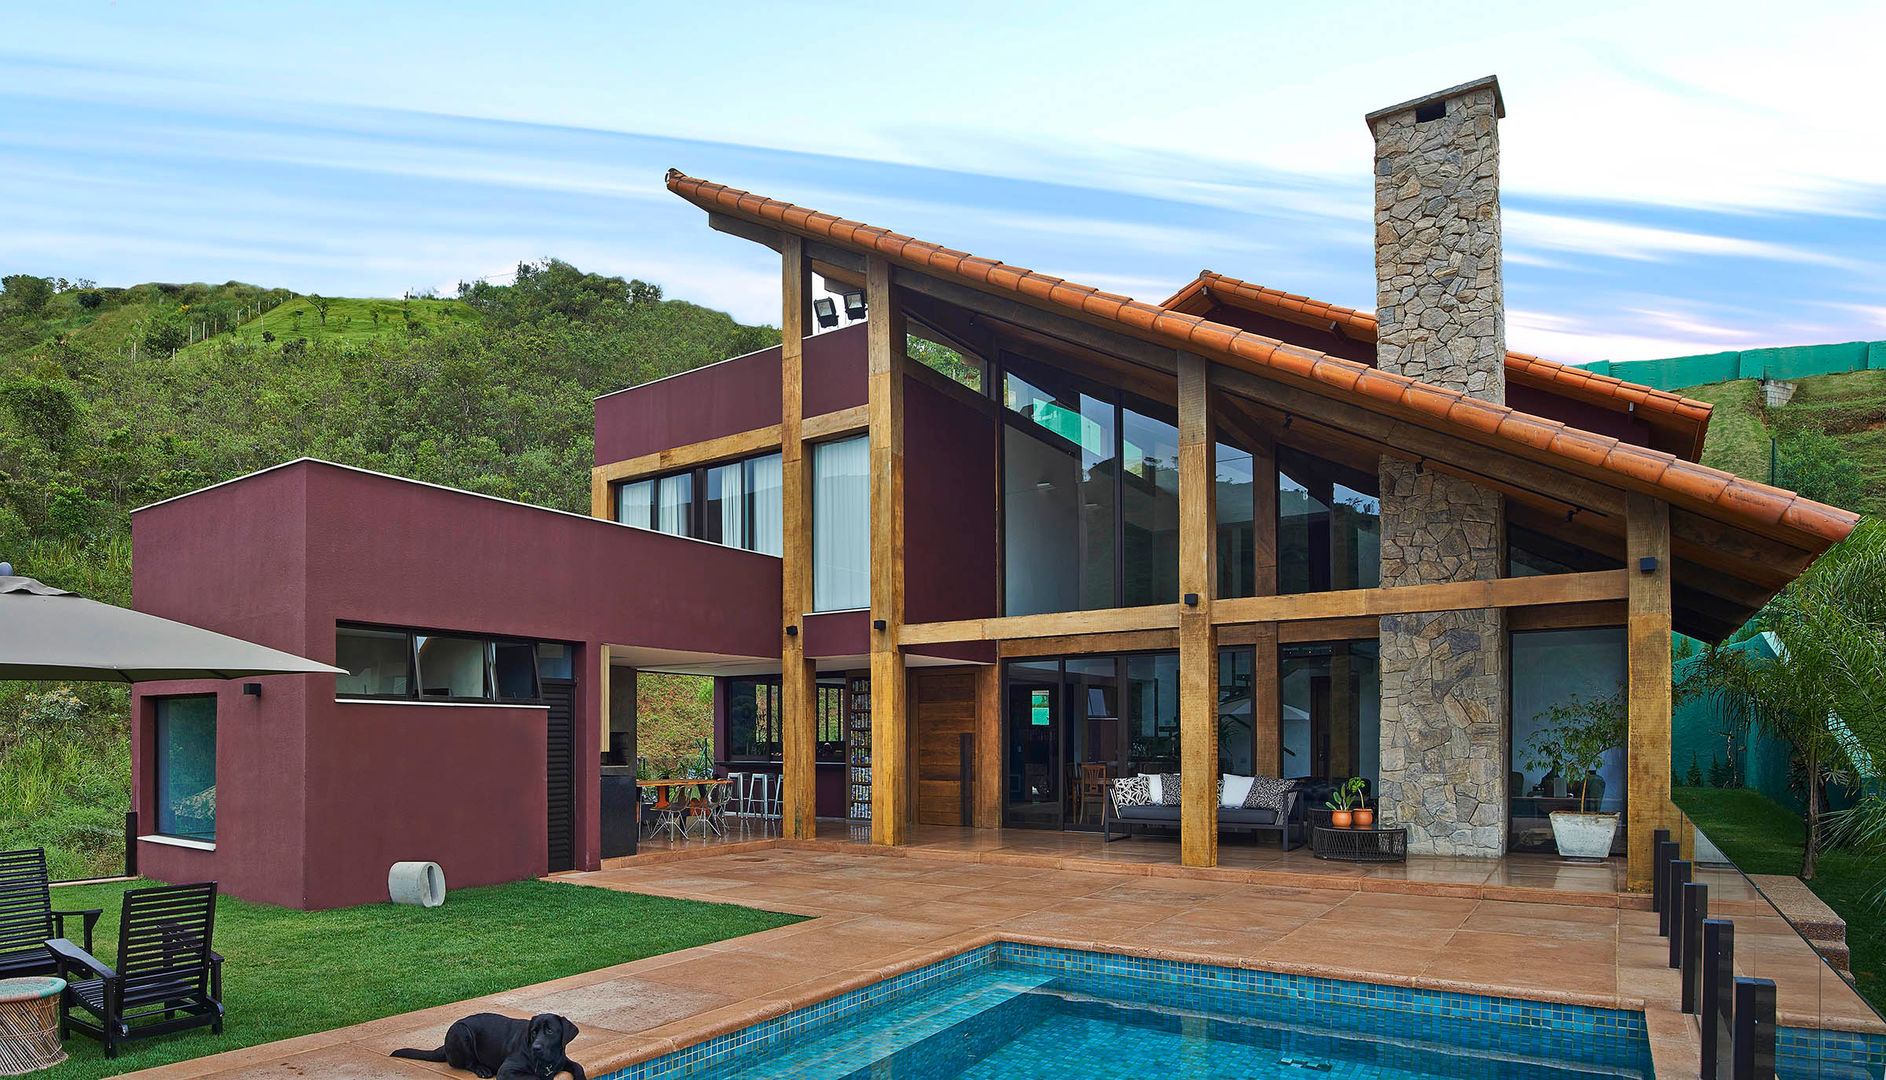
[706,452]
[798,681]
[1158,357]
[1648,666]
[1198,635]
[1051,624]
[1355,628]
[989,746]
[599,497]
[1567,616]
[747,230]
[833,424]
[1446,596]
[1070,644]
[1267,737]
[890,720]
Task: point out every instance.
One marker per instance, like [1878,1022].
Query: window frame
[159,755]
[698,499]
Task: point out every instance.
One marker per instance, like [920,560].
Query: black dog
[492,1045]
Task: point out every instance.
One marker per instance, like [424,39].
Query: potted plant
[1343,798]
[1574,738]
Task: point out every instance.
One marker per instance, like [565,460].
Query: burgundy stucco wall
[316,797]
[837,371]
[949,507]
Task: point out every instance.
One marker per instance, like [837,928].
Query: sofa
[1288,824]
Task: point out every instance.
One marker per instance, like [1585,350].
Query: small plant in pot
[1573,739]
[1344,799]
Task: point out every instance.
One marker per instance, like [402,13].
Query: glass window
[451,667]
[1152,695]
[1237,717]
[1329,525]
[1060,471]
[514,670]
[674,505]
[186,767]
[727,505]
[1235,502]
[1330,697]
[841,525]
[635,504]
[556,661]
[1579,675]
[1149,457]
[752,719]
[1032,795]
[766,506]
[378,662]
[831,721]
[1530,553]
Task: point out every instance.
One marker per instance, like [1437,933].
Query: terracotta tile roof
[1722,496]
[1684,419]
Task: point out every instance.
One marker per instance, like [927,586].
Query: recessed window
[186,767]
[738,504]
[841,525]
[451,667]
[419,665]
[379,663]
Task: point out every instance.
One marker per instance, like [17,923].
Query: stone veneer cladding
[1439,306]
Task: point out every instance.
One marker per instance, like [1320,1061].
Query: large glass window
[1060,471]
[674,505]
[379,663]
[737,504]
[755,714]
[1561,676]
[1329,525]
[1150,500]
[1530,553]
[841,525]
[186,767]
[635,504]
[1235,503]
[1237,713]
[1152,715]
[1331,703]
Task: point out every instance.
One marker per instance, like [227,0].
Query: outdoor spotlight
[1647,564]
[825,309]
[854,306]
[878,624]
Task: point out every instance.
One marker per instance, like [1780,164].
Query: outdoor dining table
[661,786]
[668,808]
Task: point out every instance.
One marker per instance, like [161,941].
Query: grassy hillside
[1831,436]
[111,398]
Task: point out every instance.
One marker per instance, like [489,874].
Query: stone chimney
[1439,307]
[1439,302]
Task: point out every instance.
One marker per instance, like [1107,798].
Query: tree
[165,334]
[1829,628]
[26,294]
[320,304]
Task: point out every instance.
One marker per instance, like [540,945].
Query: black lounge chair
[27,919]
[165,968]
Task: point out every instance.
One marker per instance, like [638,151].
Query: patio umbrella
[48,633]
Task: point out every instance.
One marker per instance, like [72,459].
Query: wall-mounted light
[1191,599]
[825,309]
[854,306]
[878,624]
[792,631]
[252,689]
[1647,564]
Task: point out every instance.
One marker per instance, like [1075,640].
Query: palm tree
[1828,629]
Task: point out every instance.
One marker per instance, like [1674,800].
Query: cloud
[1621,240]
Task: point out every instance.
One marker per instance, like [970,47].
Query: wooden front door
[943,705]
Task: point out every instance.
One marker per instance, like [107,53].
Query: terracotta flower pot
[1365,817]
[1339,819]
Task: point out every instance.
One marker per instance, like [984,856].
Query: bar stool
[757,797]
[776,800]
[737,787]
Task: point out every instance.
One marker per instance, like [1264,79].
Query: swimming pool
[1008,1010]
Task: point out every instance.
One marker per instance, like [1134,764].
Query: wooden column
[988,806]
[1198,638]
[798,680]
[1647,536]
[1266,705]
[890,719]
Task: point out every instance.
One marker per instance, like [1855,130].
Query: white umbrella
[48,633]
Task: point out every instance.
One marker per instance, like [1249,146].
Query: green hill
[111,398]
[1828,442]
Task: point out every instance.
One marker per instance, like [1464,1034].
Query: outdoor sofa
[1288,824]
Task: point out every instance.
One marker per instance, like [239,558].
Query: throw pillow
[1131,791]
[1169,789]
[1268,793]
[1232,790]
[1152,788]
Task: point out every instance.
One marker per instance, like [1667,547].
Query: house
[1238,532]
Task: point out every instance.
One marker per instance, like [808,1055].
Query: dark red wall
[837,371]
[949,507]
[317,797]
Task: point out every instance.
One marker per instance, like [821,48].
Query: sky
[1676,178]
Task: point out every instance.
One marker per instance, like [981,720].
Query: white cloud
[1618,240]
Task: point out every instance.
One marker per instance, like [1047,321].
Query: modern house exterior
[1237,532]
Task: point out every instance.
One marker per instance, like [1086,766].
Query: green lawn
[349,319]
[289,973]
[1764,837]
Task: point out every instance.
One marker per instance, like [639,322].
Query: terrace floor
[879,912]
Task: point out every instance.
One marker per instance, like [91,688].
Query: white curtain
[841,525]
[634,502]
[672,510]
[767,505]
[726,483]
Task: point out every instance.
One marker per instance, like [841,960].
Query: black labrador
[492,1045]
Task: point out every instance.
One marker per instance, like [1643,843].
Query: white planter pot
[1583,836]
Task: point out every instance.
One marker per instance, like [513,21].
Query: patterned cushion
[1132,791]
[1169,789]
[1268,793]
